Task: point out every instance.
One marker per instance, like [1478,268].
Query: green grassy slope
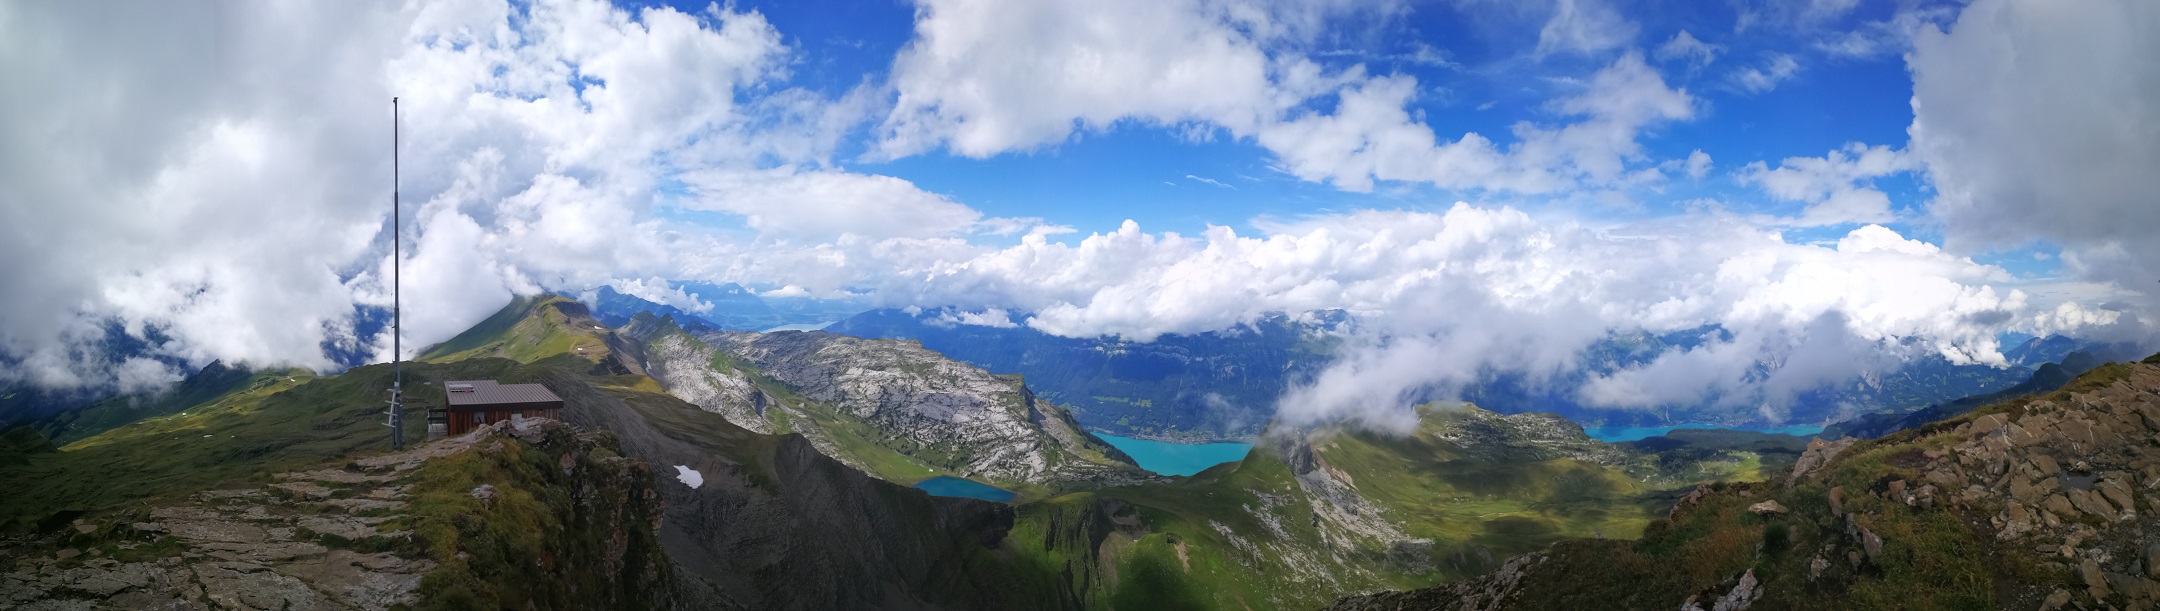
[212,382]
[1474,507]
[277,423]
[529,329]
[1464,491]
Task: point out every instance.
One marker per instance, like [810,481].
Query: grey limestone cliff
[871,403]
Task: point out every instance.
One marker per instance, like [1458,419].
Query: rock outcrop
[907,400]
[329,538]
[2069,479]
[1488,593]
[1818,453]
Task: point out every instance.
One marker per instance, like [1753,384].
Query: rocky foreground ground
[318,539]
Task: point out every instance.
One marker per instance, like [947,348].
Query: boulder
[2023,490]
[2077,432]
[2016,520]
[2059,505]
[1837,497]
[1770,507]
[486,494]
[2152,560]
[2117,493]
[2056,600]
[1945,478]
[2025,435]
[2046,465]
[2126,585]
[2091,503]
[1742,595]
[1818,453]
[1690,499]
[2095,580]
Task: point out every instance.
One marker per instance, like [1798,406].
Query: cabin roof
[487,392]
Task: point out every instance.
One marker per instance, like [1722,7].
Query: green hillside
[2036,502]
[212,382]
[1310,517]
[529,329]
[279,422]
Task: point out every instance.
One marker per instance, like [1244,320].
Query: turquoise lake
[1617,434]
[1168,458]
[952,486]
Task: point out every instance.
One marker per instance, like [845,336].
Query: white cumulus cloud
[2041,120]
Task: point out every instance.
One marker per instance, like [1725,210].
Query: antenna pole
[397,365]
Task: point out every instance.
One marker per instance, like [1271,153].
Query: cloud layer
[215,183]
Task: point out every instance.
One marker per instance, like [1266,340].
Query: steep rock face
[773,524]
[908,403]
[683,365]
[996,426]
[905,389]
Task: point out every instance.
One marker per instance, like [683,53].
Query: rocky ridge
[942,413]
[683,365]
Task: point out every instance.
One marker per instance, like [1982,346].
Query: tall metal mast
[397,365]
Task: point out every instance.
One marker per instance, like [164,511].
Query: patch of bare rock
[309,540]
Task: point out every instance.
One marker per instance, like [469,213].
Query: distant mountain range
[733,308]
[1214,384]
[1225,383]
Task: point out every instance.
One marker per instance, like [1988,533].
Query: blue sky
[1487,77]
[1479,71]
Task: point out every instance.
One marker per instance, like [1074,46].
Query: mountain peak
[529,328]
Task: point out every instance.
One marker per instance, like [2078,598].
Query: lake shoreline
[1625,434]
[1177,459]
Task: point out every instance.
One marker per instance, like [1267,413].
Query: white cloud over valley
[214,183]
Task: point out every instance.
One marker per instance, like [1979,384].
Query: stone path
[303,542]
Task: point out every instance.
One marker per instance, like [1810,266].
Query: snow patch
[689,477]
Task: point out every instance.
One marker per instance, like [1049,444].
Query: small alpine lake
[1618,434]
[946,485]
[1168,458]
